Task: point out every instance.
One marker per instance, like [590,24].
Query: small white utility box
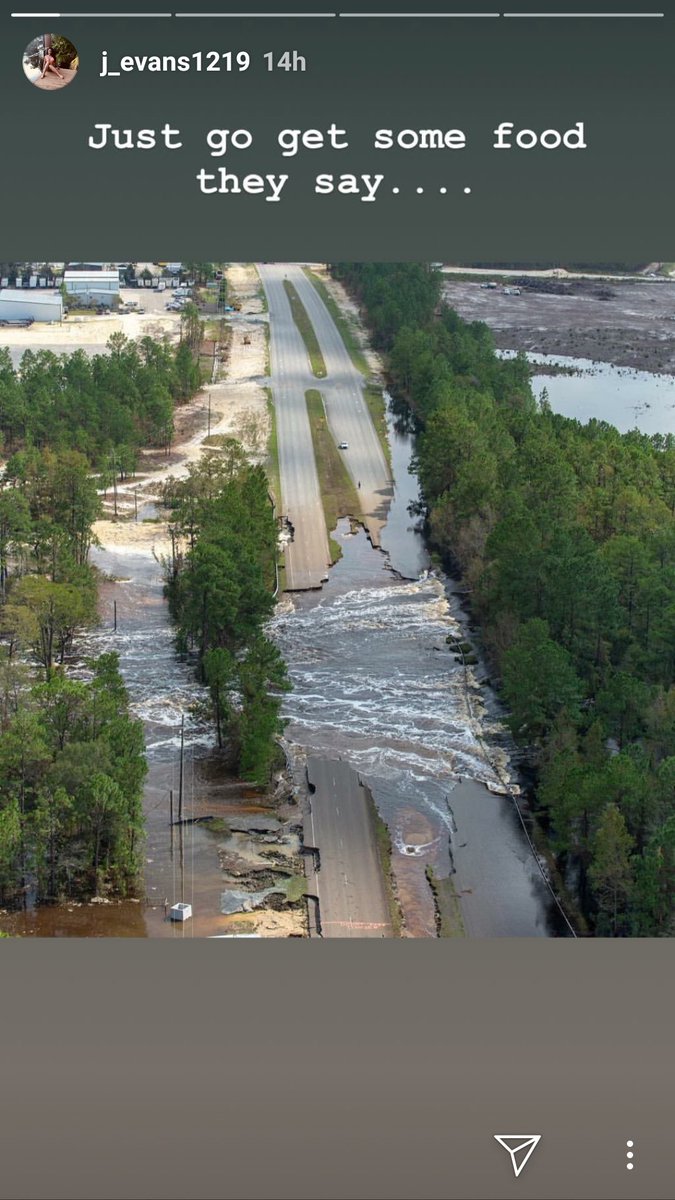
[180,912]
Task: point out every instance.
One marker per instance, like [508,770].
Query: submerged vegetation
[72,767]
[220,586]
[565,537]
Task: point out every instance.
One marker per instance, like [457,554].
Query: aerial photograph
[337,600]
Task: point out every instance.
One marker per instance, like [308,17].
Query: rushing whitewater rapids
[373,678]
[375,683]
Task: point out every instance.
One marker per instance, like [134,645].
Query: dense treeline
[395,295]
[71,759]
[565,534]
[60,416]
[48,503]
[107,405]
[72,766]
[220,585]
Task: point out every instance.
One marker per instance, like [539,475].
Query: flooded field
[622,396]
[626,398]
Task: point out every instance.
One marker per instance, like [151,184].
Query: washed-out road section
[347,875]
[348,415]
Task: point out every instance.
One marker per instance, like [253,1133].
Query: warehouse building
[24,304]
[93,287]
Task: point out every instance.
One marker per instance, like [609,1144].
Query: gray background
[290,1069]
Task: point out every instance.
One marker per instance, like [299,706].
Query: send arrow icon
[520,1146]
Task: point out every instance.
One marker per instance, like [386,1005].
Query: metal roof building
[93,286]
[21,304]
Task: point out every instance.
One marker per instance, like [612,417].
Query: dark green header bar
[194,118]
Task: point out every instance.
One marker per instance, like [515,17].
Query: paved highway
[349,884]
[307,557]
[347,411]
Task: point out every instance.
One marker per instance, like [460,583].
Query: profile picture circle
[50,61]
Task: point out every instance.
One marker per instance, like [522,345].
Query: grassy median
[301,318]
[345,326]
[338,494]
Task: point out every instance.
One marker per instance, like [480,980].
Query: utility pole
[114,471]
[180,778]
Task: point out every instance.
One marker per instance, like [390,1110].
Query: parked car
[343,445]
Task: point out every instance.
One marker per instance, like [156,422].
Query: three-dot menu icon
[629,1156]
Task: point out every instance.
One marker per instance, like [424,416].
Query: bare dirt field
[242,400]
[629,324]
[91,333]
[238,409]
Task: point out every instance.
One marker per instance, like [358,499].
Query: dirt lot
[243,401]
[91,333]
[633,327]
[238,409]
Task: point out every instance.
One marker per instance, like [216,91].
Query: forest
[72,764]
[109,404]
[564,535]
[72,759]
[221,587]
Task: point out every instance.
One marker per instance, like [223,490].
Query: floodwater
[622,396]
[181,863]
[375,684]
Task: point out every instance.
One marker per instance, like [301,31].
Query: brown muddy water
[180,862]
[376,684]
